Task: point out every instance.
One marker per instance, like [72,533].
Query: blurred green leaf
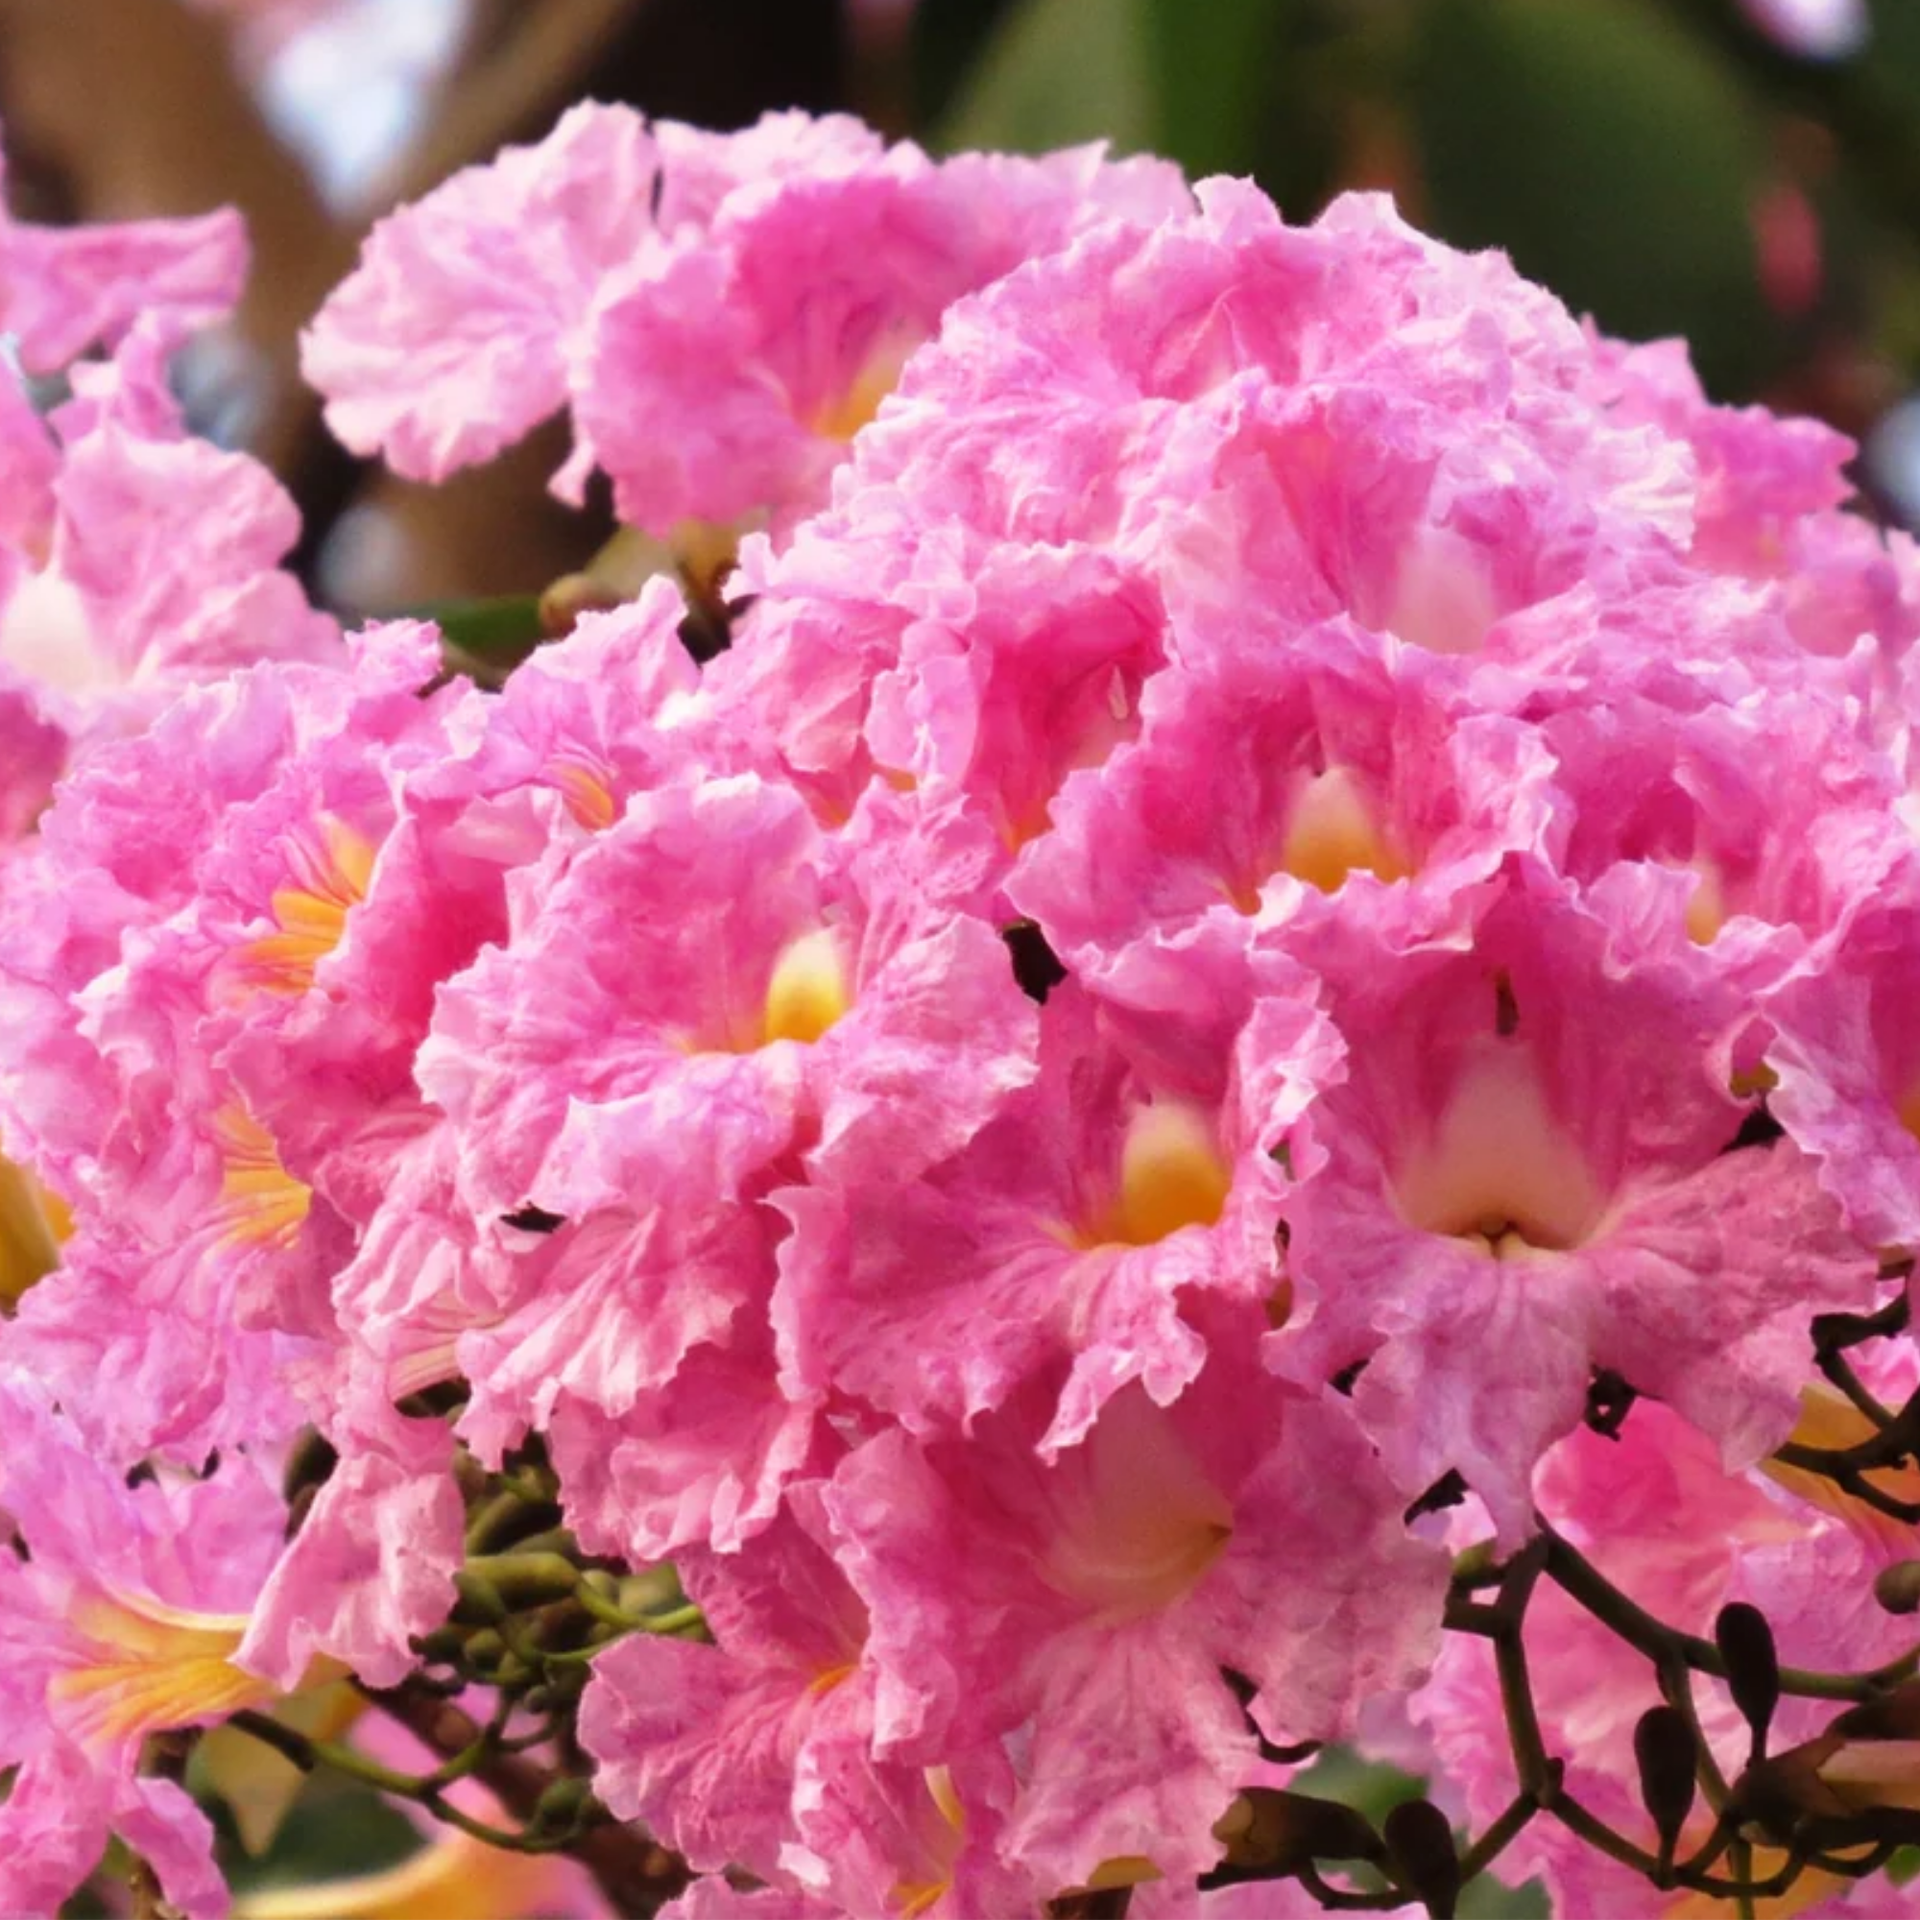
[1610,154]
[1233,86]
[1213,69]
[948,37]
[1375,1790]
[338,1829]
[1057,72]
[499,632]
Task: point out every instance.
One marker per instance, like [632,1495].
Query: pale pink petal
[371,1566]
[452,338]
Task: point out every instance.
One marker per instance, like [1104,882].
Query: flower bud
[1420,1848]
[1897,1587]
[1894,1716]
[1667,1754]
[1267,1832]
[1753,1667]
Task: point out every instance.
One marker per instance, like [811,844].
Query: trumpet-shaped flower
[739,989]
[1086,1604]
[722,312]
[703,1743]
[123,1617]
[1062,1242]
[1526,1176]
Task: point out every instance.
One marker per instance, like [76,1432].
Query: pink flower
[1660,1518]
[604,1311]
[1846,1053]
[741,987]
[455,336]
[65,289]
[593,718]
[1769,495]
[124,1617]
[729,373]
[133,558]
[141,562]
[33,752]
[1296,773]
[1464,779]
[186,1379]
[702,1743]
[1102,394]
[249,870]
[1524,1177]
[373,1562]
[1062,1243]
[702,1461]
[1092,1602]
[648,276]
[1748,833]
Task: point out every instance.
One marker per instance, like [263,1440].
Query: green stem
[1498,1837]
[1570,1570]
[1538,1778]
[1740,1858]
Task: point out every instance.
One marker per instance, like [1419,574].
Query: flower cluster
[1294,890]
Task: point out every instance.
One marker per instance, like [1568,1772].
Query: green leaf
[948,37]
[1611,154]
[1214,71]
[1375,1790]
[1058,72]
[1234,86]
[499,632]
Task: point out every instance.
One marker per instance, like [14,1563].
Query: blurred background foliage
[1745,175]
[1742,172]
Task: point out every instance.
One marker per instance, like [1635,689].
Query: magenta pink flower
[703,1743]
[722,312]
[1747,834]
[1846,1054]
[1449,786]
[123,1617]
[65,289]
[1660,1517]
[604,1311]
[1062,1243]
[373,1563]
[1526,1176]
[703,1461]
[1296,773]
[455,336]
[817,1011]
[1093,1601]
[730,371]
[134,559]
[137,561]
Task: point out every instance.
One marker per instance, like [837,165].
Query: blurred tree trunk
[123,109]
[135,107]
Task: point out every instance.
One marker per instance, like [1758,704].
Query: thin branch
[1570,1570]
